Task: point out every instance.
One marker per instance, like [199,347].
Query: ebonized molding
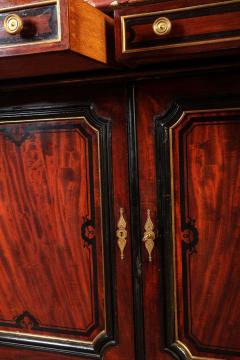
[135,225]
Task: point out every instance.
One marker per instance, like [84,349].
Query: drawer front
[170,30]
[37,23]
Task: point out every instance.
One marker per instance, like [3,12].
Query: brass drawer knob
[162,26]
[13,24]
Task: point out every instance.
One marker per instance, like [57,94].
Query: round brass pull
[13,24]
[162,26]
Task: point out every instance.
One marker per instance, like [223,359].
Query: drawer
[30,24]
[177,31]
[29,27]
[53,36]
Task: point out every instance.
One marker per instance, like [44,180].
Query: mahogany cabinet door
[202,151]
[191,167]
[64,287]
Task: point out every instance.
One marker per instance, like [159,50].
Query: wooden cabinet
[119,205]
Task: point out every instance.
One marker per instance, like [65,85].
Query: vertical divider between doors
[135,225]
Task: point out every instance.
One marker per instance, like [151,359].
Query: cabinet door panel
[199,157]
[55,224]
[49,174]
[60,149]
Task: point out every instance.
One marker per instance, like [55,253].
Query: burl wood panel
[51,277]
[206,177]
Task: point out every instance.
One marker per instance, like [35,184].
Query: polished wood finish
[206,150]
[46,238]
[40,24]
[76,149]
[66,263]
[204,162]
[23,45]
[196,29]
[91,32]
[153,288]
[76,37]
[40,64]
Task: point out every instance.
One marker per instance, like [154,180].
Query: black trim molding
[136,235]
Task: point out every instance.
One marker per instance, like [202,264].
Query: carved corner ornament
[121,233]
[149,235]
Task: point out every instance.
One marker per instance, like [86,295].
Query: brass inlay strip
[125,50]
[177,341]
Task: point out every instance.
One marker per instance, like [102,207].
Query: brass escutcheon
[121,233]
[149,235]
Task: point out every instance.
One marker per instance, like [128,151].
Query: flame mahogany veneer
[77,152]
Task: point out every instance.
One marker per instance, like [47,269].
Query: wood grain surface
[102,100]
[91,32]
[45,197]
[214,271]
[206,148]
